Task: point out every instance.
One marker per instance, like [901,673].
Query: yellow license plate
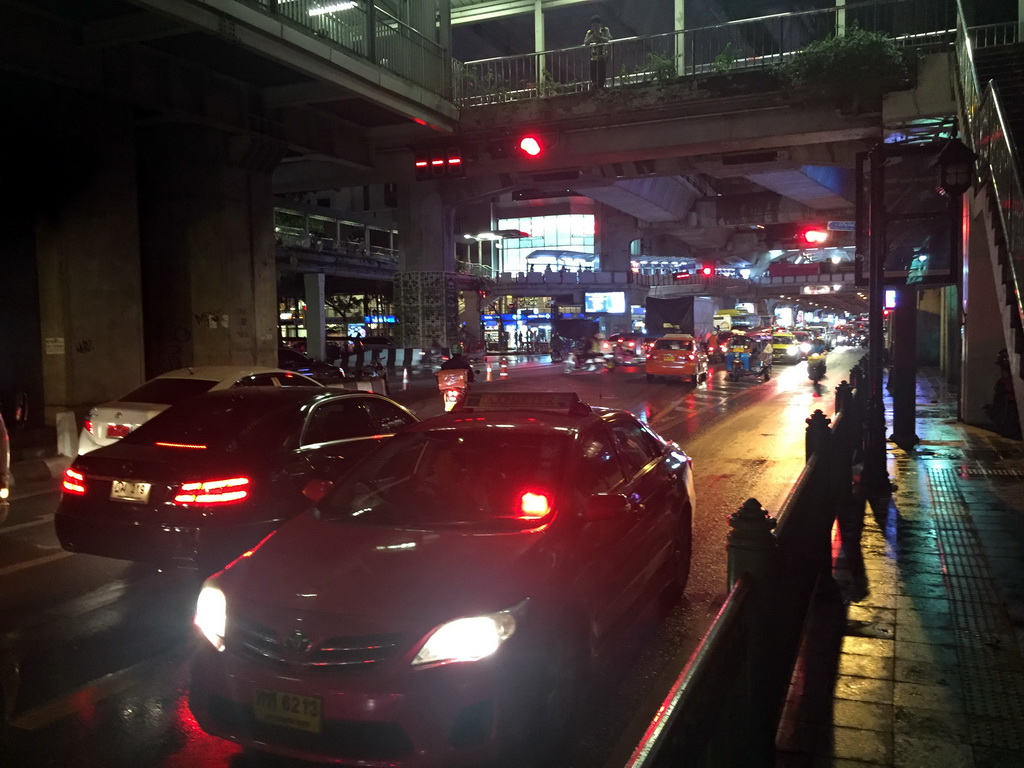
[287,709]
[668,358]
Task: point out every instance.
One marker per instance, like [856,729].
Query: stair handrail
[988,136]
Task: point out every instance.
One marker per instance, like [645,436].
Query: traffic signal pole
[875,478]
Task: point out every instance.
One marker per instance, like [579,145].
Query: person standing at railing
[597,39]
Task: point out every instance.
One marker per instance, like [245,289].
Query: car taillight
[88,426]
[74,482]
[118,430]
[213,491]
[533,506]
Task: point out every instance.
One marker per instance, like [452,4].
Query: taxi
[785,348]
[677,355]
[443,602]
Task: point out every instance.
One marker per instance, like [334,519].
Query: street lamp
[955,163]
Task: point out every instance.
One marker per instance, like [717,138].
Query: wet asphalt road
[102,645]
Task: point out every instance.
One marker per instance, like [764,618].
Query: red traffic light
[531,145]
[814,236]
[707,271]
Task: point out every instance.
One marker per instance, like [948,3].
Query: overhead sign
[842,226]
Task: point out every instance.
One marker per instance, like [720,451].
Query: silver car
[108,422]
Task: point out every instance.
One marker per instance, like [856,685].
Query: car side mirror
[604,506]
[316,489]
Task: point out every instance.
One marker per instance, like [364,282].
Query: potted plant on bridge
[853,70]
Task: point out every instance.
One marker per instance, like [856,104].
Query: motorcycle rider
[457,361]
[817,348]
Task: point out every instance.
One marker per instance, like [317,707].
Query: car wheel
[650,377]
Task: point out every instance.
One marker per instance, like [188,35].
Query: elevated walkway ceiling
[227,64]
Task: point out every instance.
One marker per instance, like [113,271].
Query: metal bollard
[844,396]
[750,544]
[817,433]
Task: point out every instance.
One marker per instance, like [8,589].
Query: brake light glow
[182,445]
[74,482]
[118,430]
[533,506]
[213,491]
[88,426]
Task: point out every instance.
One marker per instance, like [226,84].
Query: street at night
[104,644]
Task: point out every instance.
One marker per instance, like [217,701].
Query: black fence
[725,707]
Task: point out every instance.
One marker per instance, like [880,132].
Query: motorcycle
[816,366]
[453,384]
[581,361]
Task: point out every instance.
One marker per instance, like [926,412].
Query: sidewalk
[924,668]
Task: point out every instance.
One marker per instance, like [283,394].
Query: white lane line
[33,563]
[38,521]
[68,704]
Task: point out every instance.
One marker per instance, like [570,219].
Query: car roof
[219,372]
[678,336]
[271,397]
[552,412]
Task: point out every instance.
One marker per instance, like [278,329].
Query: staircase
[995,117]
[1005,65]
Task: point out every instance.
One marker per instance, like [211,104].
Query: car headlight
[792,351]
[211,615]
[467,639]
[805,347]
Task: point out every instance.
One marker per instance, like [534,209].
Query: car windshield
[685,345]
[168,391]
[225,425]
[783,340]
[490,480]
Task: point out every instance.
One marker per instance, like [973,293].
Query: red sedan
[443,603]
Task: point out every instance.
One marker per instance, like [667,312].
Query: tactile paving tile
[972,590]
[991,665]
[985,619]
[990,472]
[993,693]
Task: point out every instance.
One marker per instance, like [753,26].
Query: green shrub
[859,66]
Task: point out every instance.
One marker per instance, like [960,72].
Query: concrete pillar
[316,328]
[426,299]
[86,243]
[207,245]
[613,233]
[982,321]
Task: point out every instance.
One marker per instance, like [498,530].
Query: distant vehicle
[804,339]
[208,478]
[293,360]
[444,603]
[785,348]
[736,320]
[630,348]
[677,355]
[109,422]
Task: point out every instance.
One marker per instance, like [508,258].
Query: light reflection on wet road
[104,645]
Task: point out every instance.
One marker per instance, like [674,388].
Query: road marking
[38,521]
[33,563]
[87,695]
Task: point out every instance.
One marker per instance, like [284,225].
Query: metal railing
[990,137]
[740,672]
[372,33]
[759,43]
